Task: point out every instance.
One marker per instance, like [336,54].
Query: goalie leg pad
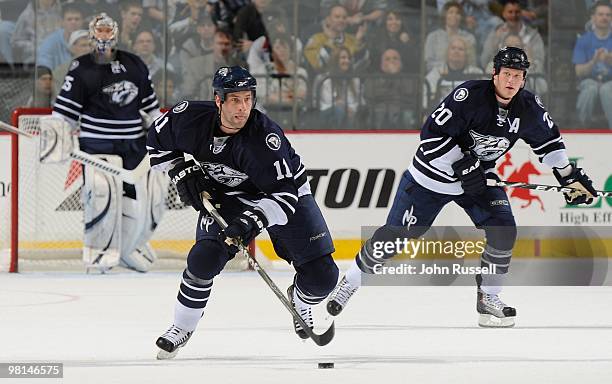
[141,215]
[102,216]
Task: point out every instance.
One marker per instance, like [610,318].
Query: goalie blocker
[119,217]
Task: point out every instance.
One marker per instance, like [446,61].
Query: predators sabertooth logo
[224,174]
[122,93]
[488,147]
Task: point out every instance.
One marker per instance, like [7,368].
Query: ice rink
[103,328]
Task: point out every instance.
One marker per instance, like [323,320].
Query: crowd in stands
[347,64]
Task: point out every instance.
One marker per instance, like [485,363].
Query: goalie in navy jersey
[474,126]
[107,96]
[256,179]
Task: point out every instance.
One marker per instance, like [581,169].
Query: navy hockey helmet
[233,79]
[511,57]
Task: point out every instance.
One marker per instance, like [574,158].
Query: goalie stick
[129,176]
[322,339]
[540,187]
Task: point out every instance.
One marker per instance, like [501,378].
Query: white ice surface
[103,329]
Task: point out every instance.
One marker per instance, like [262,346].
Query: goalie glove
[577,179]
[470,173]
[244,228]
[190,181]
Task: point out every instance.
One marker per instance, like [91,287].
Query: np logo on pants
[205,222]
[409,219]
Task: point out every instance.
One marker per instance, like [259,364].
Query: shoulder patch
[461,94]
[180,107]
[73,65]
[273,141]
[539,101]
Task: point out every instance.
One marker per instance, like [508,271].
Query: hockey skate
[340,296]
[494,313]
[305,312]
[171,341]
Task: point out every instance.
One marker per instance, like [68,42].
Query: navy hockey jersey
[106,98]
[470,120]
[257,165]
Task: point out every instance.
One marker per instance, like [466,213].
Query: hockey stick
[540,187]
[129,176]
[321,339]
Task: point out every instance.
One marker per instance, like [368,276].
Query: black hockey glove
[244,228]
[190,182]
[472,176]
[577,179]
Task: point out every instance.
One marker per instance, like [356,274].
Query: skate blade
[490,321]
[165,355]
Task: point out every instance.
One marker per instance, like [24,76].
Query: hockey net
[42,225]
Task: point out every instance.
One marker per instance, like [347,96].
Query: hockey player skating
[257,181]
[473,126]
[103,96]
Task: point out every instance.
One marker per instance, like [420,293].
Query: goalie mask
[103,33]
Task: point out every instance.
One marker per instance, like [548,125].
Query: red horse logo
[521,175]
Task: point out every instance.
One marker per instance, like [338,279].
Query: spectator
[322,46]
[197,72]
[436,44]
[32,27]
[388,93]
[249,24]
[154,11]
[54,49]
[340,92]
[144,47]
[223,12]
[202,42]
[6,33]
[511,13]
[593,64]
[187,17]
[360,11]
[131,18]
[92,8]
[168,93]
[79,45]
[394,34]
[453,72]
[43,89]
[535,81]
[478,18]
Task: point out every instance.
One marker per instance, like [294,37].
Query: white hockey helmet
[103,31]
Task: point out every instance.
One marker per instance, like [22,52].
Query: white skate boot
[340,296]
[171,341]
[304,310]
[493,312]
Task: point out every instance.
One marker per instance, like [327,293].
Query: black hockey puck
[326,365]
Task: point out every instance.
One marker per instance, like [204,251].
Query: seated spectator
[360,12]
[339,94]
[168,95]
[453,72]
[91,8]
[535,83]
[394,34]
[32,28]
[223,12]
[387,94]
[322,46]
[436,44]
[478,18]
[187,15]
[593,64]
[131,18]
[144,47]
[198,72]
[278,26]
[511,13]
[43,89]
[79,45]
[54,49]
[202,42]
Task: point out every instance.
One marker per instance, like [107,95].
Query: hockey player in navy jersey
[105,96]
[473,127]
[245,162]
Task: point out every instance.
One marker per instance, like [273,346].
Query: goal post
[42,226]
